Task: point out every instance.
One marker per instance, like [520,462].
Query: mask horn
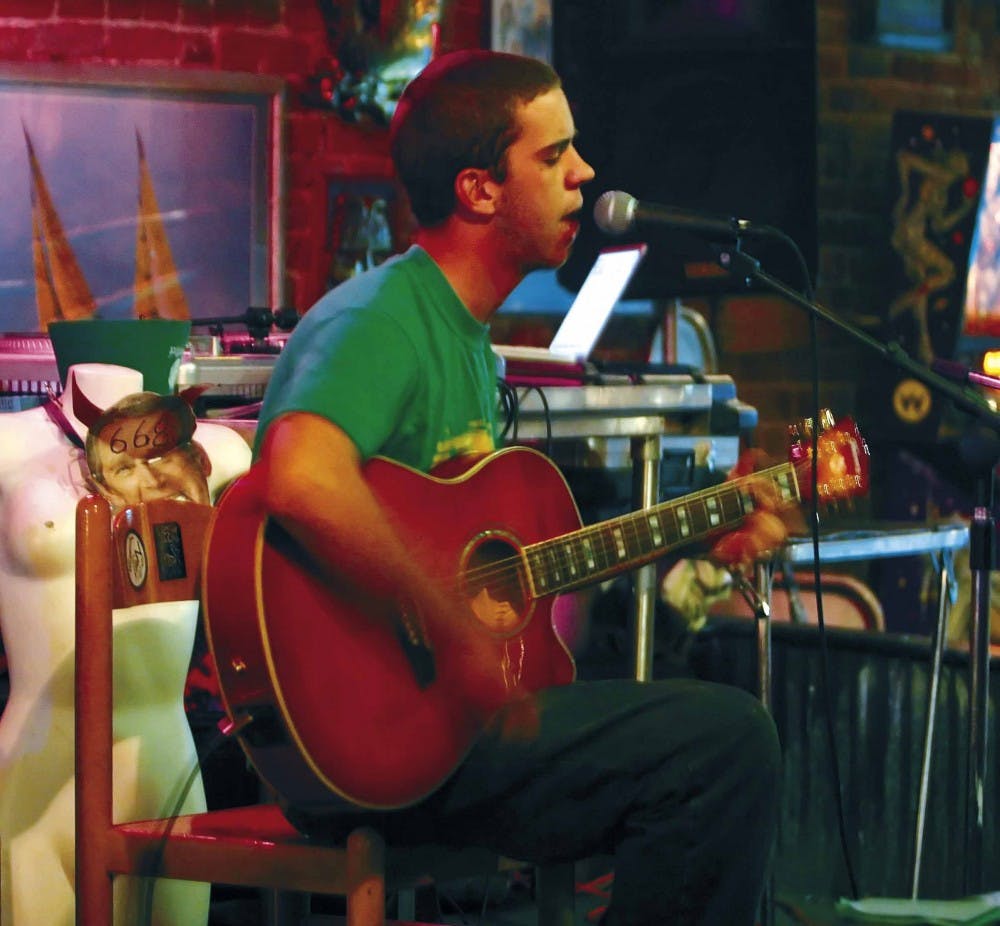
[193,393]
[84,410]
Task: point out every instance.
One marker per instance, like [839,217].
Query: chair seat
[272,853]
[258,824]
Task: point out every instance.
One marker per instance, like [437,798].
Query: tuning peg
[842,459]
[826,421]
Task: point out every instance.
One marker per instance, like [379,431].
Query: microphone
[616,212]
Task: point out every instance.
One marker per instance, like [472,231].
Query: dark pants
[678,779]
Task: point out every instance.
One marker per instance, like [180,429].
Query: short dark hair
[460,112]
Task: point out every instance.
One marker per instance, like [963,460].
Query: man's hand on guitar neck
[766,528]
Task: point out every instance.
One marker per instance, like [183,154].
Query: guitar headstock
[842,468]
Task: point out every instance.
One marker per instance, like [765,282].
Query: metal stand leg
[758,596]
[645,492]
[981,556]
[944,592]
[762,613]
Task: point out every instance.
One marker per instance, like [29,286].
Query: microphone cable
[147,886]
[825,673]
[510,405]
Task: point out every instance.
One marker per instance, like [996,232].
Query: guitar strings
[503,570]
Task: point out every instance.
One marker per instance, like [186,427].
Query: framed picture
[523,27]
[138,193]
[361,226]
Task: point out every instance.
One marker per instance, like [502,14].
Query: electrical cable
[153,862]
[508,406]
[545,410]
[828,707]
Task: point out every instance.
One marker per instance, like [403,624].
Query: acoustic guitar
[331,705]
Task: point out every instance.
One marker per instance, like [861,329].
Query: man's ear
[476,191]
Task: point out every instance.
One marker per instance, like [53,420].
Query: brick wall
[761,340]
[859,88]
[284,38]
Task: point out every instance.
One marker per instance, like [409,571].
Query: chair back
[157,548]
[143,554]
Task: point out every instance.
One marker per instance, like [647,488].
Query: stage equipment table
[675,414]
[880,541]
[678,415]
[28,368]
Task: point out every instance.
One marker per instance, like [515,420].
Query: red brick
[28,9]
[197,49]
[303,16]
[300,211]
[355,142]
[738,327]
[241,51]
[248,12]
[16,42]
[68,42]
[316,50]
[142,43]
[300,248]
[261,54]
[288,56]
[465,28]
[166,11]
[304,132]
[126,10]
[197,13]
[78,9]
[302,289]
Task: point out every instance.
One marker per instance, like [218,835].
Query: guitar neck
[600,551]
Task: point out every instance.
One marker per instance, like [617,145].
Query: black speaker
[702,105]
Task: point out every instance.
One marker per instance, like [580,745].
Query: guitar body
[332,704]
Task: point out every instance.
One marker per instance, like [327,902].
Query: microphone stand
[983,456]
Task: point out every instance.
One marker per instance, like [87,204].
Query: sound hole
[494,585]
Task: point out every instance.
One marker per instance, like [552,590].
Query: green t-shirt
[395,359]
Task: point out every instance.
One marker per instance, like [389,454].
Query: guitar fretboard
[602,550]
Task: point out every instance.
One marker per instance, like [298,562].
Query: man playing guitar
[677,779]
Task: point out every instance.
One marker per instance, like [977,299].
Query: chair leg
[365,878]
[94,905]
[555,893]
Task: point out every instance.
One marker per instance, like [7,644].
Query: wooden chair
[248,846]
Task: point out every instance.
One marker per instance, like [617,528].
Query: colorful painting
[137,195]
